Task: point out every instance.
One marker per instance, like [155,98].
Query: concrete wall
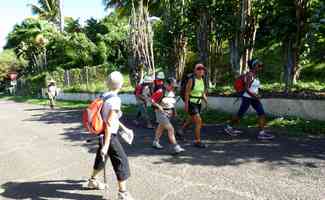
[307,109]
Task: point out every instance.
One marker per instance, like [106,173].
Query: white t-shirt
[256,85]
[52,90]
[169,100]
[113,103]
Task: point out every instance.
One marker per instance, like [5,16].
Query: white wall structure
[307,109]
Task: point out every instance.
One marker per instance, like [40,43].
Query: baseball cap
[199,67]
[160,75]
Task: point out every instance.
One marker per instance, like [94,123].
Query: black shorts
[118,159]
[194,109]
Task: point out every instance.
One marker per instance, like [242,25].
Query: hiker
[111,147]
[250,97]
[163,101]
[159,81]
[143,94]
[52,93]
[195,91]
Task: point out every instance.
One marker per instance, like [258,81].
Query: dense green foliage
[289,37]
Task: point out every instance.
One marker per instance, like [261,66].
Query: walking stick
[105,195]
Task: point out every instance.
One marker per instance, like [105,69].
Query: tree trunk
[180,44]
[61,17]
[202,37]
[141,42]
[294,44]
[235,54]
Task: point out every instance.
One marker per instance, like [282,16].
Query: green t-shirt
[198,91]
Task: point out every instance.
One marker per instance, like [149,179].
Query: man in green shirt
[195,93]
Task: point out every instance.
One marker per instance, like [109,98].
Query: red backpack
[240,83]
[92,117]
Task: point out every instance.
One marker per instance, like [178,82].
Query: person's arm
[107,132]
[205,98]
[187,93]
[248,83]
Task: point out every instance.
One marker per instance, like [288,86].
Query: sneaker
[262,135]
[156,145]
[232,132]
[200,145]
[178,149]
[124,196]
[95,184]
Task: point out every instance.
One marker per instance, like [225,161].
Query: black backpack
[184,82]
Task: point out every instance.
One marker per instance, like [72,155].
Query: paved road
[44,156]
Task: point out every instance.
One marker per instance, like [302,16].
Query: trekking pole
[105,195]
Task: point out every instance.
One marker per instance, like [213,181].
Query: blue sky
[14,11]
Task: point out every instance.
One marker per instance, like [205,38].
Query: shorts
[118,159]
[163,118]
[246,103]
[194,108]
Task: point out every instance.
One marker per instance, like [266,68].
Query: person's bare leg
[261,122]
[94,174]
[198,125]
[171,134]
[159,132]
[187,123]
[122,186]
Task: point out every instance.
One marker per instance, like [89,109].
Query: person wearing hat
[251,98]
[52,93]
[159,81]
[164,101]
[109,145]
[143,94]
[195,92]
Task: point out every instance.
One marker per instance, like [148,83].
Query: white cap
[147,79]
[115,80]
[160,75]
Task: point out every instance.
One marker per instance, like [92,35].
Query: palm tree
[49,10]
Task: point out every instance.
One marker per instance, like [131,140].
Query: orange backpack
[92,117]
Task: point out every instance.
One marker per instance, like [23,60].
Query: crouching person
[111,147]
[163,101]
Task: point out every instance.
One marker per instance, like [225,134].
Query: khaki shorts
[163,118]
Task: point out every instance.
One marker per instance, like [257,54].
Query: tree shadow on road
[42,190]
[57,116]
[222,150]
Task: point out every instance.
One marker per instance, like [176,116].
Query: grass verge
[291,126]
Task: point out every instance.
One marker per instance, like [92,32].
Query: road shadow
[223,150]
[42,190]
[57,116]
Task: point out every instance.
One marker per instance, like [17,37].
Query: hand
[103,152]
[205,99]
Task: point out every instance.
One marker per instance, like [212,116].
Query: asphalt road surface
[44,155]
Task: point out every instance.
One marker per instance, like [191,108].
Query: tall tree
[49,10]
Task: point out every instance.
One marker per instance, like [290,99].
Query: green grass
[97,87]
[301,86]
[44,102]
[290,126]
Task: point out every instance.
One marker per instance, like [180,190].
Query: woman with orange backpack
[249,85]
[109,146]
